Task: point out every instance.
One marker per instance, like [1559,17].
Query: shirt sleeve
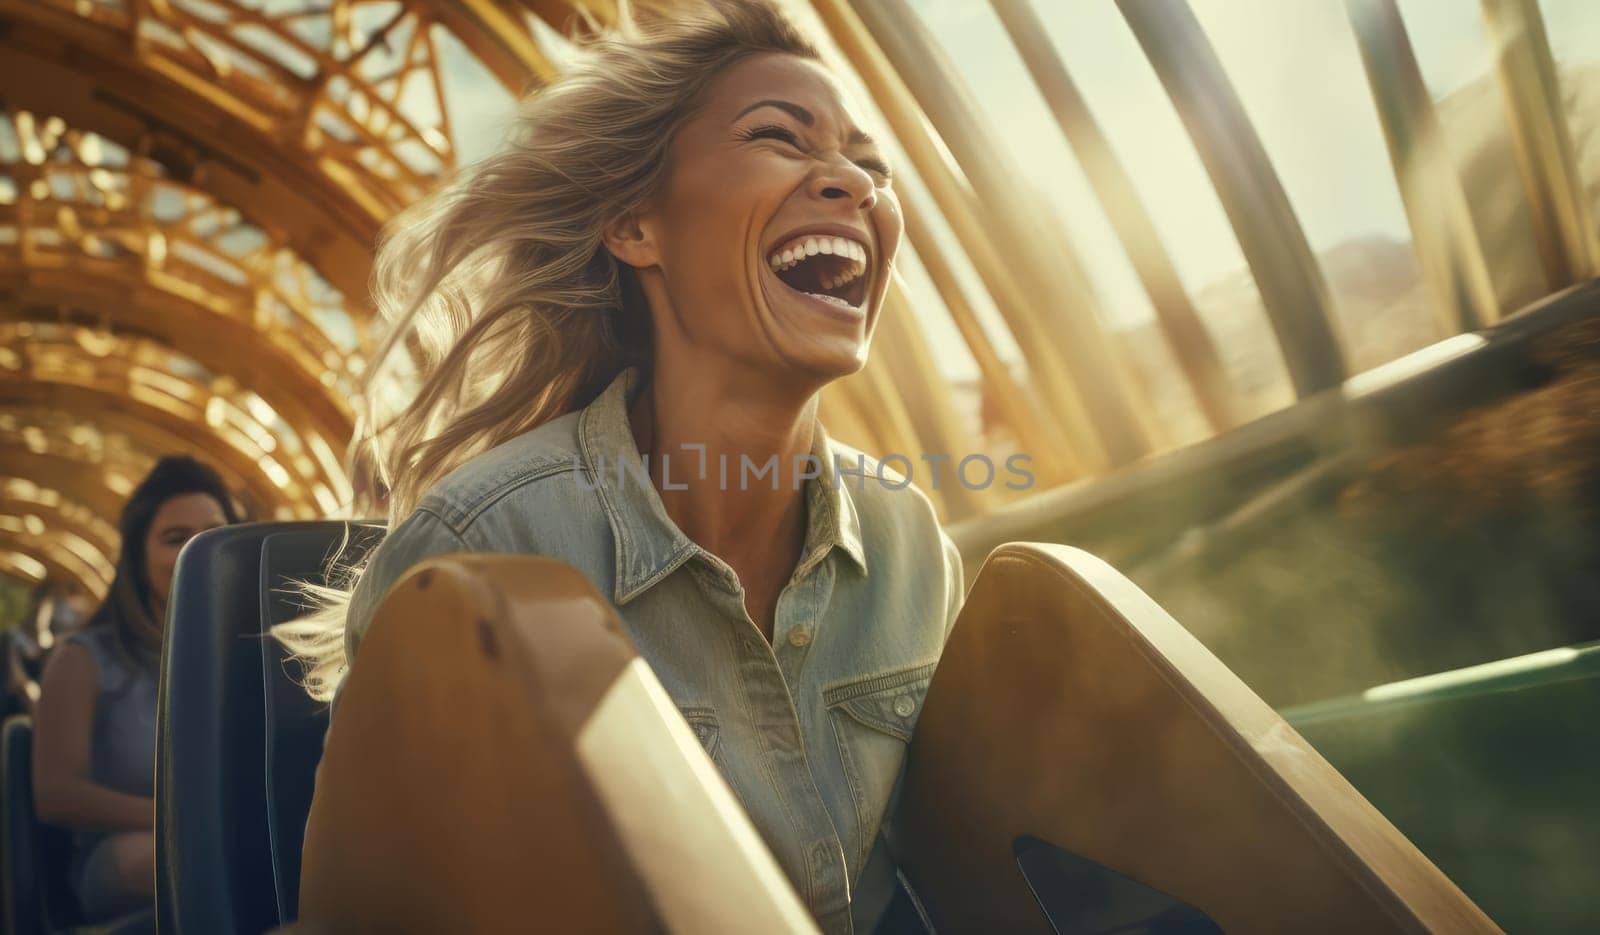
[422,536]
[96,640]
[955,583]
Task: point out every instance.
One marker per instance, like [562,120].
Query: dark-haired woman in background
[94,741]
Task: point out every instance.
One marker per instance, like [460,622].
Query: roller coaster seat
[36,895]
[237,740]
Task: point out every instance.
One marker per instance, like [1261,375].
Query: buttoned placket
[650,547]
[765,671]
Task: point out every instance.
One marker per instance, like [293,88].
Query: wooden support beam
[1058,310]
[1192,346]
[1563,225]
[1291,284]
[1442,232]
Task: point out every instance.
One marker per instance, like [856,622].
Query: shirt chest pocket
[703,721]
[873,718]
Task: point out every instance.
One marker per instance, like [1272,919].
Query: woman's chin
[824,360]
[819,337]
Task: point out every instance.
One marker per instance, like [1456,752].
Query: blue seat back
[295,724]
[226,822]
[35,891]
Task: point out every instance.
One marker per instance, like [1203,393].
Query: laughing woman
[684,240]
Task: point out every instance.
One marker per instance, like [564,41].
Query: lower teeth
[829,298]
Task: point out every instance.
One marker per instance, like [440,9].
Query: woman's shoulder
[517,498]
[99,638]
[547,451]
[101,643]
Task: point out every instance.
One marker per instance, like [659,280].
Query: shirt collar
[831,518]
[649,545]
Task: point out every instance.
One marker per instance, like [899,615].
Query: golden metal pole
[501,41]
[1191,344]
[112,406]
[1563,226]
[844,421]
[873,398]
[1036,433]
[65,515]
[1292,288]
[887,424]
[57,569]
[1446,241]
[84,481]
[910,372]
[1060,301]
[1046,364]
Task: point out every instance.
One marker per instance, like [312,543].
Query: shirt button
[800,637]
[903,706]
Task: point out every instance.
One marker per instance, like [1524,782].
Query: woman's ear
[630,241]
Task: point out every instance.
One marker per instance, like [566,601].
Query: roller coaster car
[504,760]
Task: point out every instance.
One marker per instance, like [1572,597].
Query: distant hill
[1381,308]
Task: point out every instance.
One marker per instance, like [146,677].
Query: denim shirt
[811,730]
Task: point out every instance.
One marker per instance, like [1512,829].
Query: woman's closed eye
[773,131]
[876,165]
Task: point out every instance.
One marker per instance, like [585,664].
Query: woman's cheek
[166,564]
[891,226]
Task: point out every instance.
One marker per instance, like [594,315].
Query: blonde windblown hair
[498,288]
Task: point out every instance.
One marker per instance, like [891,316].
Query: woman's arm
[63,793]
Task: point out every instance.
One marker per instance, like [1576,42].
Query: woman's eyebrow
[794,110]
[857,137]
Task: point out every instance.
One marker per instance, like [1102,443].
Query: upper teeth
[810,245]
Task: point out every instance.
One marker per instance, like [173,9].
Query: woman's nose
[847,181]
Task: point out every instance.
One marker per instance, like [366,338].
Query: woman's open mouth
[828,269]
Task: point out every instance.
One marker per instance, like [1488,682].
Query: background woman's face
[177,521]
[777,225]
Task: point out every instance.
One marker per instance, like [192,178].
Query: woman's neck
[717,448]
